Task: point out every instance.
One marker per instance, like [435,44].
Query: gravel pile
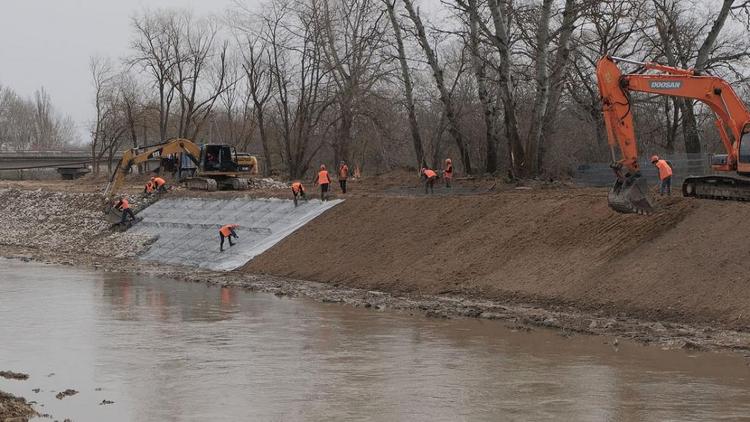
[63,222]
[267,183]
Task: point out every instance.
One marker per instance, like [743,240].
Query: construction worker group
[430,176]
[156,184]
[323,180]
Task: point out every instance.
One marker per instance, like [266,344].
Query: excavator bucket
[630,195]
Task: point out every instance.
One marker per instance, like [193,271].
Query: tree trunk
[713,34]
[533,142]
[408,88]
[501,40]
[557,78]
[480,74]
[437,74]
[263,139]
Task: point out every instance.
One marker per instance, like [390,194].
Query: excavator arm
[140,155]
[630,192]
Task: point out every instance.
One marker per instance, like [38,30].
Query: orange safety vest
[664,169]
[449,171]
[323,177]
[149,187]
[429,173]
[227,229]
[297,187]
[124,204]
[159,181]
[343,172]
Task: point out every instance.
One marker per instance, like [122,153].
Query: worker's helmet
[153,178]
[448,161]
[654,158]
[322,166]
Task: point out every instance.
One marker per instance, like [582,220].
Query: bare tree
[406,79]
[260,84]
[352,35]
[302,94]
[437,73]
[109,127]
[679,50]
[153,51]
[196,55]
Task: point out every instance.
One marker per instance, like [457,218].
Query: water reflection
[165,350]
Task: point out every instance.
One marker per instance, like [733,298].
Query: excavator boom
[630,191]
[137,156]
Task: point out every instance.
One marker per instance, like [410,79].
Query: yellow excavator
[211,166]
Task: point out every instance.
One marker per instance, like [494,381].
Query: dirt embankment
[562,247]
[64,223]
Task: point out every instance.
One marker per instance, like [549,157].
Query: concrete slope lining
[187,230]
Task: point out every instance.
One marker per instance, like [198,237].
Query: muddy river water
[163,350]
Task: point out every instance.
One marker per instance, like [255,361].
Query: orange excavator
[629,194]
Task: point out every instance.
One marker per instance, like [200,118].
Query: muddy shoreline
[568,320]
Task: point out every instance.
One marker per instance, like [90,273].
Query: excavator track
[201,183]
[725,188]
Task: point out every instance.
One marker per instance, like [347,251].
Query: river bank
[561,262]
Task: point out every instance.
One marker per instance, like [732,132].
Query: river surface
[164,350]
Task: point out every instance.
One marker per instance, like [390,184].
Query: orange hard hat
[654,158]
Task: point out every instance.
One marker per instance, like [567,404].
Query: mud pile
[63,222]
[552,248]
[14,408]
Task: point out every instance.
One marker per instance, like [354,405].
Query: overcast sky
[48,43]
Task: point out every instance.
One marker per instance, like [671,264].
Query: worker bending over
[298,190]
[343,175]
[429,179]
[124,206]
[160,185]
[665,175]
[149,188]
[448,172]
[227,231]
[324,180]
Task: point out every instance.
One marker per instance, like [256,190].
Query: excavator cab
[743,152]
[218,158]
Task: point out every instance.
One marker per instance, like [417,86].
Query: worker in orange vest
[448,172]
[227,231]
[429,179]
[324,180]
[665,175]
[124,206]
[149,188]
[159,184]
[298,190]
[343,175]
